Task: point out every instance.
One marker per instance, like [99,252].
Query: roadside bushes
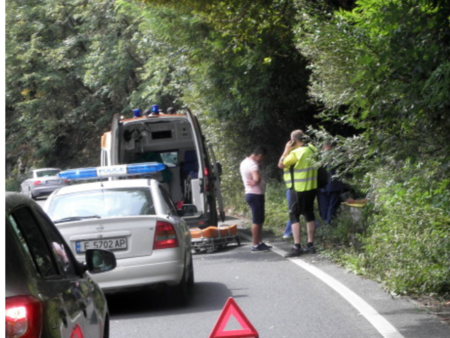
[408,243]
[12,184]
[401,237]
[277,212]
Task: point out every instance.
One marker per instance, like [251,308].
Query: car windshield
[50,172]
[104,203]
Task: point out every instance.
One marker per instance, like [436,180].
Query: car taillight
[165,236]
[37,182]
[23,317]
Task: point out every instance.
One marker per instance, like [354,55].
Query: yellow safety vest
[305,173]
[287,177]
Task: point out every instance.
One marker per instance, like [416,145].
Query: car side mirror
[189,210]
[98,260]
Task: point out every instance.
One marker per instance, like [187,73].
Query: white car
[137,220]
[42,182]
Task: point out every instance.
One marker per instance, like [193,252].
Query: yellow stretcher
[214,238]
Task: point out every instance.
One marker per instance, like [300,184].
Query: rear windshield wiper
[75,218]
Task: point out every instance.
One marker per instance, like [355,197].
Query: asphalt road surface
[301,297]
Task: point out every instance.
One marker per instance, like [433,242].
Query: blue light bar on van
[112,171]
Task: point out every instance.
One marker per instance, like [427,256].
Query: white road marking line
[385,328]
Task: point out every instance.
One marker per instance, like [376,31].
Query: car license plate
[53,181]
[106,244]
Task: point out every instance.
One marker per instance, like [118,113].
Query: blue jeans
[288,230]
[329,203]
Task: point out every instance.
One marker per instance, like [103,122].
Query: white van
[191,175]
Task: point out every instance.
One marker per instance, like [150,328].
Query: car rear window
[103,203]
[45,173]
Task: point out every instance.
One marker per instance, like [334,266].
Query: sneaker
[265,245]
[309,250]
[260,248]
[286,237]
[295,252]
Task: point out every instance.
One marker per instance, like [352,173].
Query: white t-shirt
[247,166]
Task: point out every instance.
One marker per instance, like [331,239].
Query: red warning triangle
[232,309]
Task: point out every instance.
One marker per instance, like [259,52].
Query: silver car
[42,182]
[137,220]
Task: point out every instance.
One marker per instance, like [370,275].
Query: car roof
[129,183]
[156,118]
[42,169]
[14,199]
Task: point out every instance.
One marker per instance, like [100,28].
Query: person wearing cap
[299,155]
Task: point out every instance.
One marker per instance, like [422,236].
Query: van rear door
[110,144]
[115,140]
[198,185]
[217,187]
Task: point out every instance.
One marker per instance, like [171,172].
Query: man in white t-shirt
[255,187]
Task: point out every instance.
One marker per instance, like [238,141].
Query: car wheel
[30,195]
[179,294]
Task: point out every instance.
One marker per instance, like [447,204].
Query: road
[307,297]
[301,297]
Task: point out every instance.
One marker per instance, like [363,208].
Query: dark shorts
[256,203]
[302,203]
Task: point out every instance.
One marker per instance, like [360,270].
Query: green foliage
[408,246]
[12,184]
[249,69]
[383,68]
[388,65]
[277,212]
[50,109]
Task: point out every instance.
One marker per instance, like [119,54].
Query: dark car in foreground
[48,293]
[42,182]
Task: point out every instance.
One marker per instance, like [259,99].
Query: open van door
[115,141]
[199,184]
[217,188]
[110,144]
[105,145]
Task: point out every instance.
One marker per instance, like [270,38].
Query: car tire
[180,294]
[30,195]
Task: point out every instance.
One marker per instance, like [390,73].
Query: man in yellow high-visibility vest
[300,155]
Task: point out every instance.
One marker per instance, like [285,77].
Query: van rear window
[158,135]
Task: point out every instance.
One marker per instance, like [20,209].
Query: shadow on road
[206,297]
